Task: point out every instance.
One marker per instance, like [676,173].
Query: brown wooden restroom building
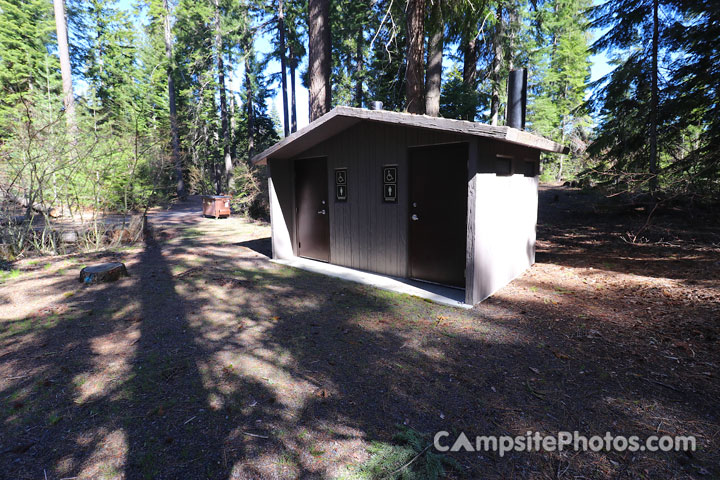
[444,201]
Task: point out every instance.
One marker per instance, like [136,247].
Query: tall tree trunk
[283,67]
[511,33]
[470,60]
[65,70]
[512,29]
[293,96]
[470,51]
[174,137]
[319,57]
[414,88]
[359,66]
[434,62]
[654,103]
[233,126]
[250,111]
[224,128]
[496,64]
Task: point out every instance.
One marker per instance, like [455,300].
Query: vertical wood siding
[365,232]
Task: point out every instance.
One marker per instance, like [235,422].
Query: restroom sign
[389,181]
[341,184]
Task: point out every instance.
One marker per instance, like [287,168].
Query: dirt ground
[209,361]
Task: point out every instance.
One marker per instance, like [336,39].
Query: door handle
[415,218]
[321,212]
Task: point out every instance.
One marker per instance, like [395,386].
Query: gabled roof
[341,118]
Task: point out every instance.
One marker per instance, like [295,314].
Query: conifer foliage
[170,97]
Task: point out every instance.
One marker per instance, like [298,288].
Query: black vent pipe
[517,98]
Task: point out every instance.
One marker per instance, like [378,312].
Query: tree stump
[105,272]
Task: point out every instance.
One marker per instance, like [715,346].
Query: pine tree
[559,73]
[467,26]
[628,103]
[456,100]
[349,19]
[296,12]
[387,55]
[319,57]
[415,55]
[222,94]
[433,80]
[108,60]
[692,94]
[65,67]
[26,33]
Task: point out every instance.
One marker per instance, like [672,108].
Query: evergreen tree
[415,56]
[692,94]
[319,58]
[349,19]
[457,101]
[27,30]
[296,37]
[387,55]
[436,38]
[627,103]
[65,67]
[558,76]
[467,23]
[109,59]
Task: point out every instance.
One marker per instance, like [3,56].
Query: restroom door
[313,215]
[438,213]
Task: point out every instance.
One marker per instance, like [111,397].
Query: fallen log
[24,202]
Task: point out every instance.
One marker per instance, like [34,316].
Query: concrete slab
[453,297]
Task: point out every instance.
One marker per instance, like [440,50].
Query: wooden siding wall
[365,232]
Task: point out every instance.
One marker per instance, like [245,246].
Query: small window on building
[530,168]
[503,166]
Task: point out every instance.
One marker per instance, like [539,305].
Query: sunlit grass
[6,275]
[22,326]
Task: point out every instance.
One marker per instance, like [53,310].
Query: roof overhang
[341,118]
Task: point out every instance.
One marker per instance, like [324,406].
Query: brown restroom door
[438,211]
[313,215]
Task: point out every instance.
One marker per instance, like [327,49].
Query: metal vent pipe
[376,105]
[517,98]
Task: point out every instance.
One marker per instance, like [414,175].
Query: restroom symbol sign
[390,184]
[341,184]
[341,177]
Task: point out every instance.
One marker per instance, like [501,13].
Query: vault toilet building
[445,201]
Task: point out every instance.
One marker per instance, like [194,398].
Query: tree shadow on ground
[211,362]
[575,231]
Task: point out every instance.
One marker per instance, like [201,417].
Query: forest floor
[210,361]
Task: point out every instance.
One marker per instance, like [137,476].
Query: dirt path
[211,362]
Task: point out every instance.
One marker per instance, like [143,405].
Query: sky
[600,67]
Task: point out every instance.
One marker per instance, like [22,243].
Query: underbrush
[408,457]
[19,238]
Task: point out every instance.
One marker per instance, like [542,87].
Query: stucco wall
[282,212]
[505,218]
